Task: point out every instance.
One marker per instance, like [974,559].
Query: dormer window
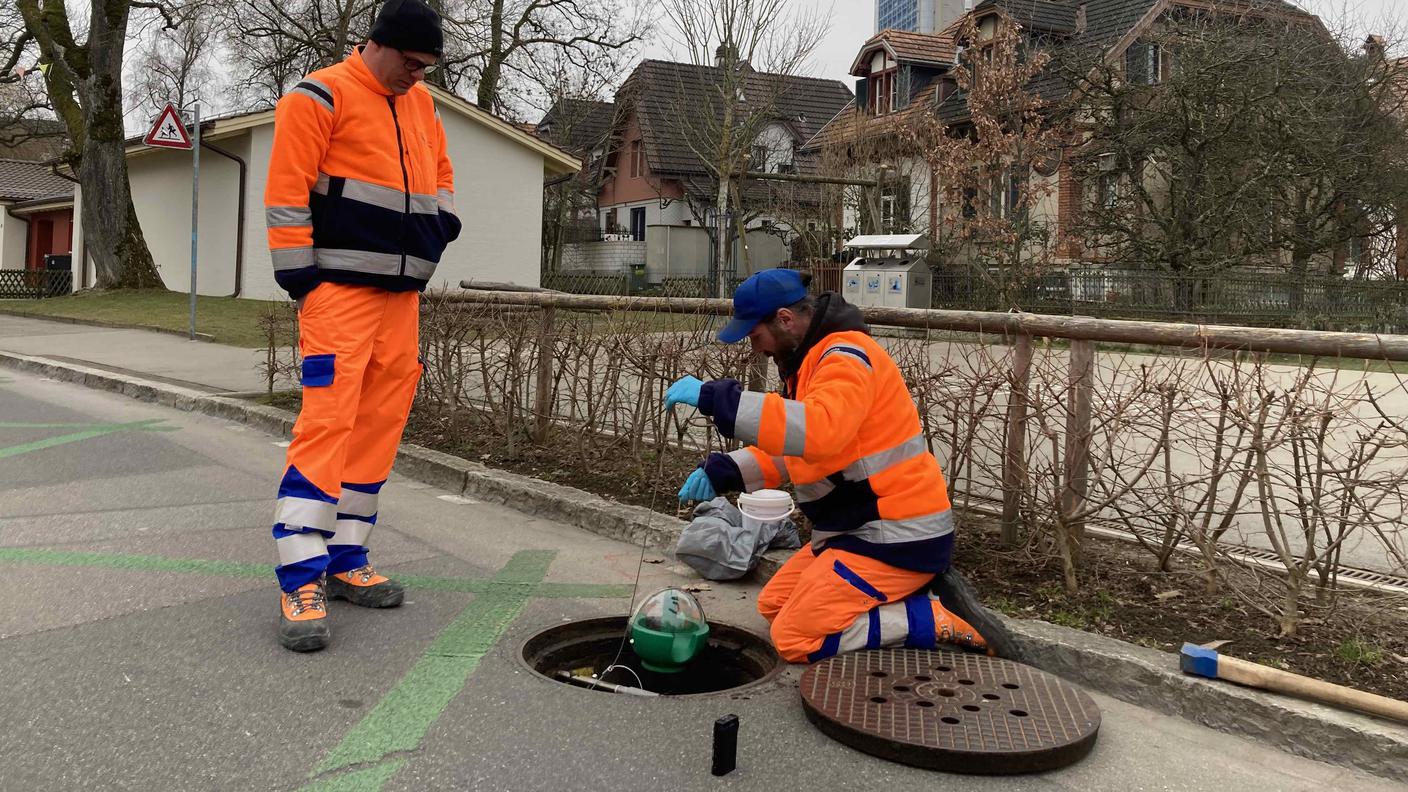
[884,92]
[1144,63]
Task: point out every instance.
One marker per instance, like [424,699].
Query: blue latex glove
[697,487]
[685,390]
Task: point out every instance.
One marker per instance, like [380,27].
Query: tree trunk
[84,85]
[110,223]
[493,61]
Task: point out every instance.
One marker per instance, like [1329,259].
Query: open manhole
[732,658]
[963,713]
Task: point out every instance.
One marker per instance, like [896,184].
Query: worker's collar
[364,74]
[831,315]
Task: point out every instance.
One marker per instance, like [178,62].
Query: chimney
[725,56]
[1080,19]
[1374,46]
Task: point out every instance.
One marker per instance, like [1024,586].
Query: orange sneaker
[303,623]
[366,588]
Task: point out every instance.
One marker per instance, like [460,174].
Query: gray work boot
[303,620]
[958,598]
[366,588]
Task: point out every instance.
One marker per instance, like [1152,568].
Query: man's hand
[697,487]
[685,390]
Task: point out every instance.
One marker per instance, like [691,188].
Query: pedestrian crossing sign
[168,131]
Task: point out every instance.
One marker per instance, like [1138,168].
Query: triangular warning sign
[168,131]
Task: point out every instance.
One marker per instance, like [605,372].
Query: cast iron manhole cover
[964,713]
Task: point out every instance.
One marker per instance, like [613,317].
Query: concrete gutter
[1145,677]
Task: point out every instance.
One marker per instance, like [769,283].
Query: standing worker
[846,434]
[360,206]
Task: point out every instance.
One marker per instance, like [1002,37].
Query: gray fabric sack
[718,546]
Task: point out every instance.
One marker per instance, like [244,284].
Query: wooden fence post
[757,372]
[542,397]
[1014,462]
[1078,417]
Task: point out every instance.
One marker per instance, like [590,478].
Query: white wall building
[499,172]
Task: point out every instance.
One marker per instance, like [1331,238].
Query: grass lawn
[227,320]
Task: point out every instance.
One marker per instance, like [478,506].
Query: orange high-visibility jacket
[360,187]
[851,444]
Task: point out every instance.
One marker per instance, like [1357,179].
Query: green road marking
[134,563]
[400,720]
[496,586]
[93,430]
[369,780]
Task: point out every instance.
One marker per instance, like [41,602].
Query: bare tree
[273,43]
[504,39]
[989,165]
[1222,141]
[83,81]
[723,111]
[174,66]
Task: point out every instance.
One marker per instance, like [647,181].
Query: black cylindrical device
[725,744]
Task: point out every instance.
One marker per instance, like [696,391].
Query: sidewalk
[213,368]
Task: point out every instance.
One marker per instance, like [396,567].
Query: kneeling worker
[846,434]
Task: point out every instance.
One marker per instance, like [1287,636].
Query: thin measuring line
[640,563]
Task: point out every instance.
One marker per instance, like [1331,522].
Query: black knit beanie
[409,25]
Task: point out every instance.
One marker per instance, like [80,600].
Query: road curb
[206,337]
[1145,677]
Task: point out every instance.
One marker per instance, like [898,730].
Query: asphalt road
[138,651]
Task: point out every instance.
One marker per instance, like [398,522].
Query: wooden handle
[1260,676]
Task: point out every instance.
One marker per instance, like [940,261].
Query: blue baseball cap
[758,297]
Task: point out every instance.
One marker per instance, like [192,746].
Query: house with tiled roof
[36,215]
[654,189]
[903,76]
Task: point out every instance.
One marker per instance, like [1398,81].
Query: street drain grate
[963,713]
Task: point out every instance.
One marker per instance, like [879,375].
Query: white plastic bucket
[768,505]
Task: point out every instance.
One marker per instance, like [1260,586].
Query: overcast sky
[853,21]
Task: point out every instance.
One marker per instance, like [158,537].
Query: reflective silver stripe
[862,358]
[388,197]
[781,465]
[894,624]
[419,268]
[794,443]
[446,201]
[374,263]
[914,529]
[281,216]
[879,462]
[321,185]
[300,547]
[374,194]
[291,258]
[806,493]
[855,636]
[360,504]
[352,532]
[314,95]
[306,513]
[749,420]
[749,469]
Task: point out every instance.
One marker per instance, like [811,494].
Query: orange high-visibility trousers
[822,604]
[360,348]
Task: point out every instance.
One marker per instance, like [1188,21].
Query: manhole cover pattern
[960,712]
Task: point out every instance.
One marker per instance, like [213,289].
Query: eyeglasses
[414,65]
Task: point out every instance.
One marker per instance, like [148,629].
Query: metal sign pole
[195,210]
